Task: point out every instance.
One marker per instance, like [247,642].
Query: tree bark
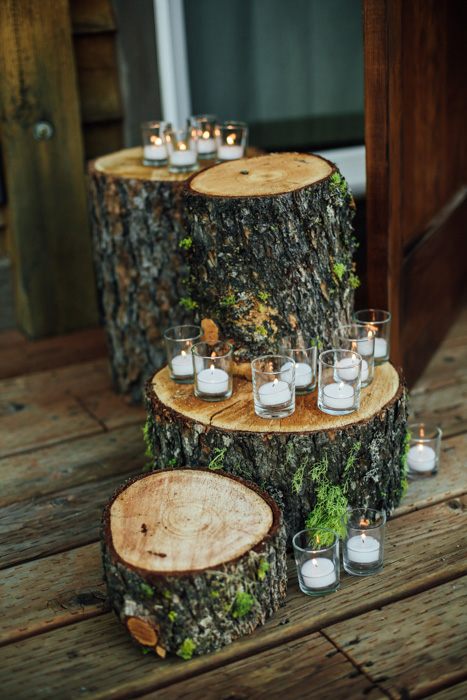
[298,460]
[271,251]
[193,559]
[136,215]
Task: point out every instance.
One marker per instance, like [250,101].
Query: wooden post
[51,248]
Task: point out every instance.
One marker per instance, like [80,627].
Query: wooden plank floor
[66,442]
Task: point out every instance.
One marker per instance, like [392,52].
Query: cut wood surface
[271,250]
[193,559]
[437,639]
[361,452]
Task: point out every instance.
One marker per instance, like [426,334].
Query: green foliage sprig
[188,303]
[186,243]
[186,649]
[218,461]
[243,604]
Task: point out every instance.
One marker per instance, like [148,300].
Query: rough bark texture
[362,457]
[272,265]
[200,611]
[137,228]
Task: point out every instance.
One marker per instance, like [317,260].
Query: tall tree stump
[271,249]
[310,462]
[193,559]
[136,215]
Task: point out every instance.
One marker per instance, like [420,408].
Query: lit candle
[213,381]
[338,396]
[229,150]
[182,365]
[318,573]
[365,347]
[381,347]
[274,393]
[303,374]
[206,143]
[183,156]
[421,458]
[363,549]
[347,370]
[156,150]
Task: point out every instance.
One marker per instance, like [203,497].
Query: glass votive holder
[339,382]
[231,140]
[154,143]
[304,354]
[213,365]
[316,553]
[361,340]
[273,387]
[205,125]
[379,322]
[182,149]
[363,541]
[178,342]
[423,454]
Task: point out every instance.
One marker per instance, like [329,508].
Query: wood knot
[456,504]
[143,631]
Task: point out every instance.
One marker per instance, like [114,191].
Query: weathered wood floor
[66,442]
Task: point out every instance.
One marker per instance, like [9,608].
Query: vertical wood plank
[50,240]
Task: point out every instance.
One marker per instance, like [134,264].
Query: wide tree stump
[271,249]
[136,216]
[193,559]
[310,462]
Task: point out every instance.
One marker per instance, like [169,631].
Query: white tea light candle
[338,396]
[183,158]
[182,365]
[156,150]
[381,347]
[213,381]
[349,372]
[206,143]
[303,374]
[363,549]
[226,152]
[318,573]
[274,393]
[421,458]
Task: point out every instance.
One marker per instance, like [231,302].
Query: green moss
[146,650]
[331,501]
[167,594]
[263,568]
[186,243]
[262,330]
[243,604]
[218,461]
[188,303]
[227,301]
[261,308]
[147,590]
[339,270]
[214,594]
[172,616]
[264,296]
[186,649]
[171,462]
[352,457]
[354,280]
[297,479]
[405,449]
[338,182]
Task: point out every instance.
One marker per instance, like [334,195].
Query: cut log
[193,559]
[137,227]
[271,249]
[308,462]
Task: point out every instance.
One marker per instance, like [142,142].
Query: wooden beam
[54,280]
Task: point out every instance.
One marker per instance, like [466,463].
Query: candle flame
[206,134]
[314,562]
[182,146]
[370,334]
[183,353]
[363,538]
[231,139]
[213,354]
[155,140]
[373,328]
[212,369]
[341,386]
[274,382]
[420,447]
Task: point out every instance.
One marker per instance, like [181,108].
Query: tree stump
[271,249]
[193,559]
[310,462]
[136,217]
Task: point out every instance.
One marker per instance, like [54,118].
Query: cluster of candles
[316,551]
[202,137]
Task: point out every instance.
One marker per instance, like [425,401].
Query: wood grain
[445,406]
[54,278]
[96,65]
[89,16]
[410,660]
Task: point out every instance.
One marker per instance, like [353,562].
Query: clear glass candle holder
[361,340]
[273,386]
[205,125]
[363,541]
[213,366]
[423,454]
[304,354]
[231,139]
[339,374]
[379,322]
[316,553]
[154,143]
[178,343]
[182,149]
